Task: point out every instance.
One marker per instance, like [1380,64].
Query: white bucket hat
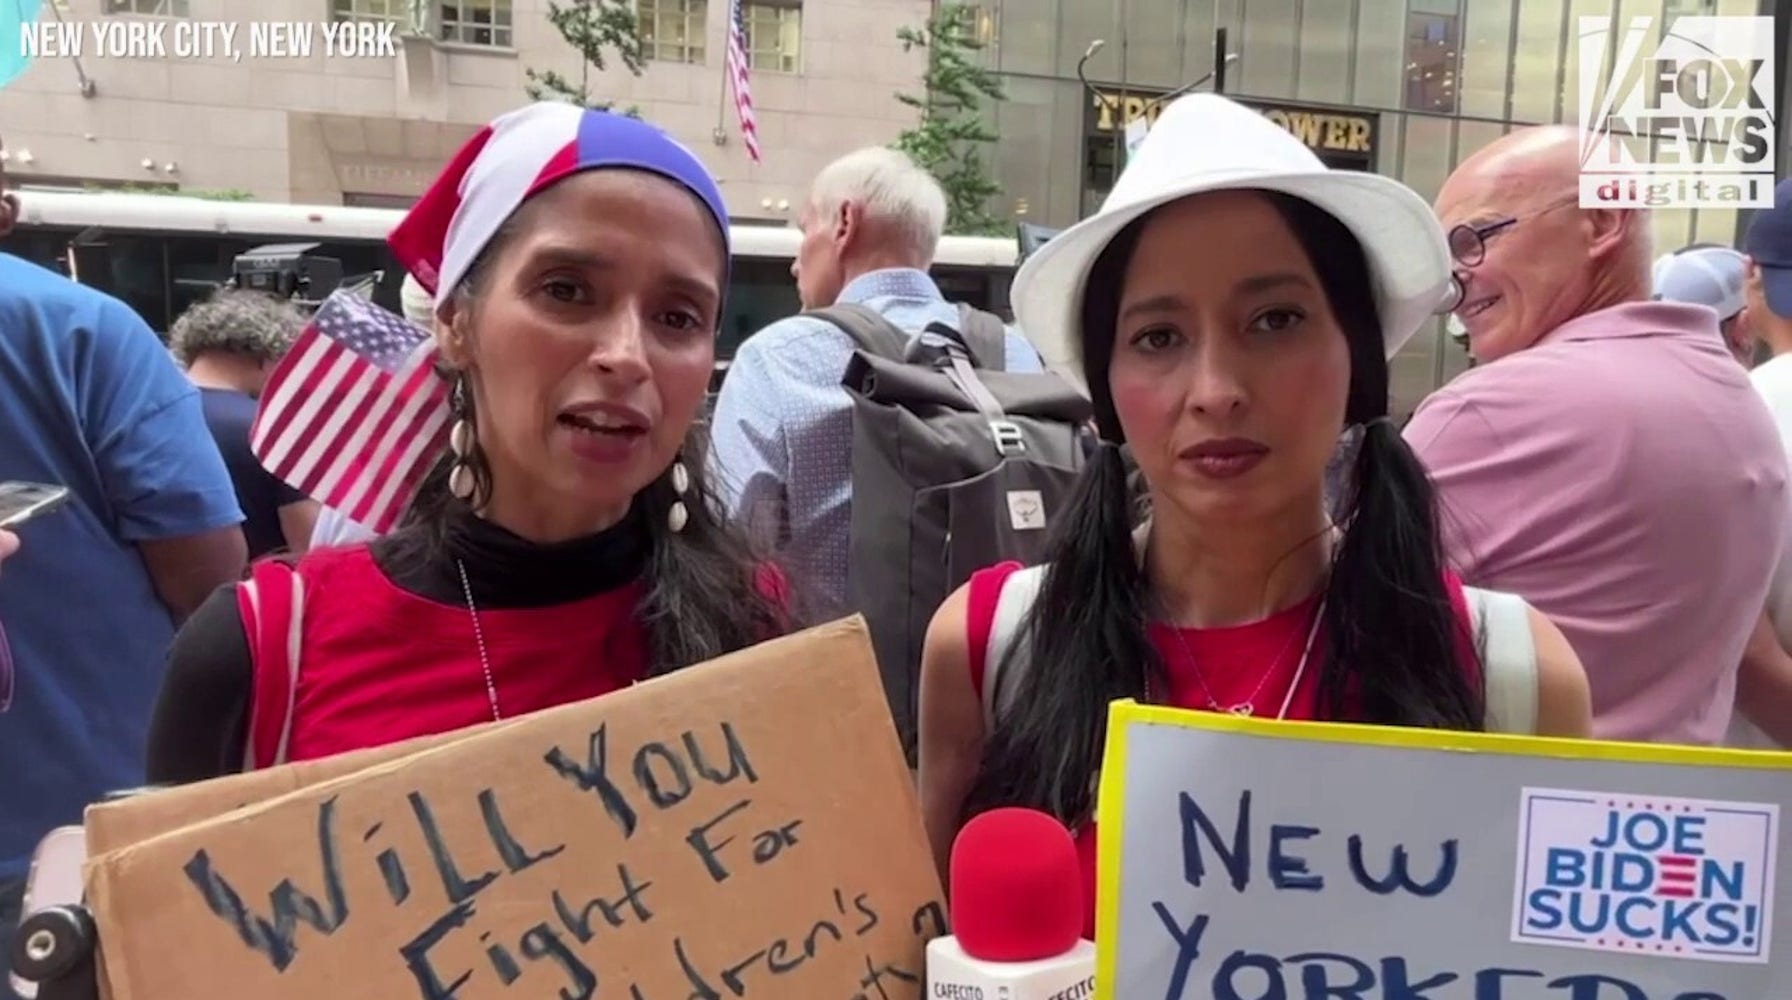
[1204,142]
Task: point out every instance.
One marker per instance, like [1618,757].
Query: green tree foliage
[594,28]
[952,132]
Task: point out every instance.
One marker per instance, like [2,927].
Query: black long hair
[709,590]
[1392,653]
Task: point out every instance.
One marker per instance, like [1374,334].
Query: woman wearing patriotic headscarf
[1231,310]
[563,545]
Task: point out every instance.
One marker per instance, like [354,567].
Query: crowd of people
[1583,536]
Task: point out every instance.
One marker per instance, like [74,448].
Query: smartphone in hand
[21,501]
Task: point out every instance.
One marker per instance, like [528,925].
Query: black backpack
[957,464]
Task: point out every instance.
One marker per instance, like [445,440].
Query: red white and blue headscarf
[356,416]
[519,156]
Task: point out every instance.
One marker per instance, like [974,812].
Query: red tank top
[1254,663]
[378,664]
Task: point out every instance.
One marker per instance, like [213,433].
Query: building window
[155,8]
[775,37]
[368,10]
[978,24]
[1433,51]
[476,22]
[673,30]
[1100,156]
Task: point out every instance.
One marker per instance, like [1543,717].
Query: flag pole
[87,85]
[721,133]
[722,106]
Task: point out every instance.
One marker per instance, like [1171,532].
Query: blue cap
[1769,242]
[1703,276]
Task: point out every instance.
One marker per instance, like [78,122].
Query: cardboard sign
[121,823]
[1245,859]
[745,828]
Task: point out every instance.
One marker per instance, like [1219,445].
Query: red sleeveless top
[1254,663]
[377,664]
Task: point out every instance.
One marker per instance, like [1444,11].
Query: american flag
[355,415]
[740,74]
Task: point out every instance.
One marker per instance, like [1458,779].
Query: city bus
[160,253]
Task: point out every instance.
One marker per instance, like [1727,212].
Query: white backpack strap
[1019,591]
[1508,659]
[275,597]
[295,632]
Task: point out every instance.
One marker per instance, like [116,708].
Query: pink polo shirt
[1622,477]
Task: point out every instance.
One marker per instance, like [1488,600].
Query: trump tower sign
[1246,859]
[1686,121]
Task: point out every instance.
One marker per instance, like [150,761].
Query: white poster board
[1245,859]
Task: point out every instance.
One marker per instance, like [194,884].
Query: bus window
[763,292]
[760,293]
[135,267]
[198,265]
[133,271]
[979,288]
[139,277]
[365,258]
[47,248]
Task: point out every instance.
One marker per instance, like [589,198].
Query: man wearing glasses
[1581,463]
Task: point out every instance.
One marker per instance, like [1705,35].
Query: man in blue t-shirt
[90,400]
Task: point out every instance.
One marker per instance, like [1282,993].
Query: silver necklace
[1246,707]
[485,660]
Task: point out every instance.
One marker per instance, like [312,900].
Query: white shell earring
[461,481]
[678,516]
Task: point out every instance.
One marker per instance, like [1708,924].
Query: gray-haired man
[229,345]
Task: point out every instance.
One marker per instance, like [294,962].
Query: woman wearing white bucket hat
[1231,311]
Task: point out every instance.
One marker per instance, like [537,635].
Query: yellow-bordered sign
[1524,804]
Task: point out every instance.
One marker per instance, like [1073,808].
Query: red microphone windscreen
[1017,889]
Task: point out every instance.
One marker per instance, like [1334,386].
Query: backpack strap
[985,336]
[272,606]
[1002,669]
[875,335]
[1508,659]
[1502,626]
[869,330]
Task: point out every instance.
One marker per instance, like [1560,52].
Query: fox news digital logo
[1687,125]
